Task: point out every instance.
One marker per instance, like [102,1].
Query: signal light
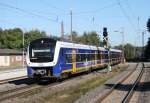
[105,34]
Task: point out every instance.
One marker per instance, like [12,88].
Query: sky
[119,16]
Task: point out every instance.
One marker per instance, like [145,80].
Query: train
[47,57]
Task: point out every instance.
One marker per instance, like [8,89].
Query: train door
[74,61]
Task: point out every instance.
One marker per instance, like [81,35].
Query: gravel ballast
[93,95]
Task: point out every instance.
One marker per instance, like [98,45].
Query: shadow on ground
[142,87]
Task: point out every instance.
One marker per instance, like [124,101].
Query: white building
[10,57]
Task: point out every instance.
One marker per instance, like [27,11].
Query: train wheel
[59,79]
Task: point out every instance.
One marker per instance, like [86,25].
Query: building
[9,57]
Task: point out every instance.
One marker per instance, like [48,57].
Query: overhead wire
[136,20]
[126,15]
[130,9]
[51,6]
[96,10]
[27,12]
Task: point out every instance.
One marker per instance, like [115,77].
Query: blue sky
[47,15]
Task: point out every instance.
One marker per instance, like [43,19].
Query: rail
[113,88]
[130,93]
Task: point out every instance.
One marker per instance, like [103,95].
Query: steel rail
[130,93]
[113,88]
[12,79]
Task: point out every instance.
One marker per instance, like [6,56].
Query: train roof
[70,44]
[80,46]
[43,39]
[115,50]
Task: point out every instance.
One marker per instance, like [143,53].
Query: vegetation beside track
[71,93]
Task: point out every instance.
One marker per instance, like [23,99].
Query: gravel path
[121,91]
[93,95]
[144,90]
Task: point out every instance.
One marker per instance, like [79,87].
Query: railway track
[16,92]
[9,94]
[121,93]
[12,93]
[11,79]
[130,93]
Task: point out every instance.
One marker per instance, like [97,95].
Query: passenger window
[68,58]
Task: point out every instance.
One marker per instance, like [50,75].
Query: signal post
[105,44]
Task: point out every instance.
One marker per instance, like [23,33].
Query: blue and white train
[47,57]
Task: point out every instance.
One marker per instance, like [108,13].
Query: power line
[27,12]
[125,14]
[132,13]
[97,10]
[51,6]
[130,9]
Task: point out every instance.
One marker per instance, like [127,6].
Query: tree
[32,35]
[148,24]
[129,52]
[147,50]
[74,36]
[84,38]
[1,36]
[90,38]
[12,38]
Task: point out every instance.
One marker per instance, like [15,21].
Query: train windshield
[42,51]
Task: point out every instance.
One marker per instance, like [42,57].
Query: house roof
[10,52]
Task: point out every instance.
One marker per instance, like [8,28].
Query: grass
[71,94]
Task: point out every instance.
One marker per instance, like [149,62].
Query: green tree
[129,52]
[1,37]
[90,38]
[148,24]
[147,50]
[11,38]
[74,36]
[32,35]
[93,38]
[84,38]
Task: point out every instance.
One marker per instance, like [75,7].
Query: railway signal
[105,43]
[105,34]
[105,37]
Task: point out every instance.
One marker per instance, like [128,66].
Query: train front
[40,57]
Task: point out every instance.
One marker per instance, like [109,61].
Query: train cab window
[42,50]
